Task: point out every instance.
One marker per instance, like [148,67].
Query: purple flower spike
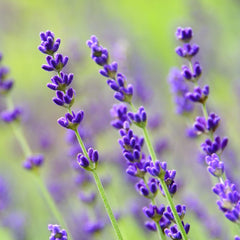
[151,226]
[154,212]
[215,167]
[93,155]
[83,161]
[56,63]
[71,121]
[139,118]
[187,51]
[119,114]
[179,88]
[147,191]
[198,95]
[99,54]
[48,45]
[184,34]
[60,82]
[157,169]
[110,70]
[9,116]
[189,75]
[216,146]
[229,196]
[33,161]
[57,233]
[173,232]
[169,180]
[64,99]
[213,122]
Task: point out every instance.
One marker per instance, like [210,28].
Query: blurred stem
[106,204]
[204,110]
[17,130]
[163,184]
[52,204]
[101,191]
[161,234]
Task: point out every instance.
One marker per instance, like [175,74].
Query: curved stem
[160,232]
[52,204]
[107,206]
[165,189]
[164,186]
[101,191]
[204,109]
[81,143]
[149,144]
[18,132]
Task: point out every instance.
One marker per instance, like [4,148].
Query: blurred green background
[147,31]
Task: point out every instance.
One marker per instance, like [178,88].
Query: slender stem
[204,109]
[165,189]
[21,139]
[18,131]
[101,191]
[161,234]
[51,204]
[81,143]
[159,229]
[106,204]
[164,186]
[174,211]
[149,144]
[16,127]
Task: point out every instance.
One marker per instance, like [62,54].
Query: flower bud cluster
[116,81]
[61,82]
[213,146]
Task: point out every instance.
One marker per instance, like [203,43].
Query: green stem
[163,184]
[106,204]
[17,130]
[204,109]
[174,211]
[52,204]
[165,189]
[81,143]
[101,191]
[149,144]
[160,232]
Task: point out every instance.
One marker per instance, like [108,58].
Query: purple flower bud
[48,45]
[71,121]
[9,116]
[33,161]
[82,161]
[57,233]
[184,34]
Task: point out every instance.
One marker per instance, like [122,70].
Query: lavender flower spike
[99,54]
[184,34]
[57,233]
[48,45]
[71,121]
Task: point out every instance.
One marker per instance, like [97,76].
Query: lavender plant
[138,163]
[87,159]
[214,145]
[32,162]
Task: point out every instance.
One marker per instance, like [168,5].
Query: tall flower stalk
[214,145]
[32,162]
[88,158]
[131,145]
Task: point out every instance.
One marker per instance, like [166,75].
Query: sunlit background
[140,35]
